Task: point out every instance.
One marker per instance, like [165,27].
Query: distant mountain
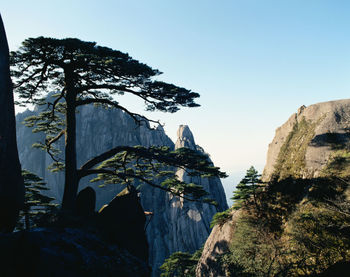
[176,225]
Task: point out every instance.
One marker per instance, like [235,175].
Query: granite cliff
[176,225]
[304,205]
[307,145]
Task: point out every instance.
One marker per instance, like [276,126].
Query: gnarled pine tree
[84,73]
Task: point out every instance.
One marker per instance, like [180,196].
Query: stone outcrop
[86,202]
[311,139]
[11,182]
[217,244]
[122,222]
[175,225]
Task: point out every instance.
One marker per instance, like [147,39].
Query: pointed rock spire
[185,138]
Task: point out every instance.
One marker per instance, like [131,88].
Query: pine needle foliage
[181,264]
[247,188]
[36,203]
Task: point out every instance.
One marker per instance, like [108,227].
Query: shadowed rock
[67,252]
[122,222]
[11,181]
[85,203]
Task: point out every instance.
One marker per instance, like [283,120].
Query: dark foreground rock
[11,182]
[122,222]
[65,252]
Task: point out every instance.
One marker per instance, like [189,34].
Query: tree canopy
[83,73]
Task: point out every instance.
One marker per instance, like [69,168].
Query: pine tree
[84,73]
[181,264]
[36,204]
[247,188]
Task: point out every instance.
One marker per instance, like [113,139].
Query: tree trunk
[71,176]
[11,180]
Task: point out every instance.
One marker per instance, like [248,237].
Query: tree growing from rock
[83,73]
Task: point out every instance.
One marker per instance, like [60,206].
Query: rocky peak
[308,143]
[175,225]
[185,138]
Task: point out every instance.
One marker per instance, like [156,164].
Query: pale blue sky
[253,62]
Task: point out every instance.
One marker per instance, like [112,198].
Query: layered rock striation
[176,225]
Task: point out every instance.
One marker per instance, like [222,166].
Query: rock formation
[311,148]
[122,222]
[86,202]
[175,225]
[307,144]
[217,244]
[11,182]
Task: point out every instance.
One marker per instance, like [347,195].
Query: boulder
[85,203]
[122,222]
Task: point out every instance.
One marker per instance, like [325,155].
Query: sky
[253,62]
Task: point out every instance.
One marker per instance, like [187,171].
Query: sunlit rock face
[217,244]
[311,143]
[176,225]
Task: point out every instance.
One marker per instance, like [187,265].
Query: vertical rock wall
[175,225]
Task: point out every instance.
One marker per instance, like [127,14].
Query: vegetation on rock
[291,157]
[181,264]
[296,227]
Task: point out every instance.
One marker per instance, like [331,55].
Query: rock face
[217,244]
[313,145]
[175,225]
[186,224]
[307,144]
[11,183]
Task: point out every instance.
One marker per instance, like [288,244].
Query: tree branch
[82,173]
[104,156]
